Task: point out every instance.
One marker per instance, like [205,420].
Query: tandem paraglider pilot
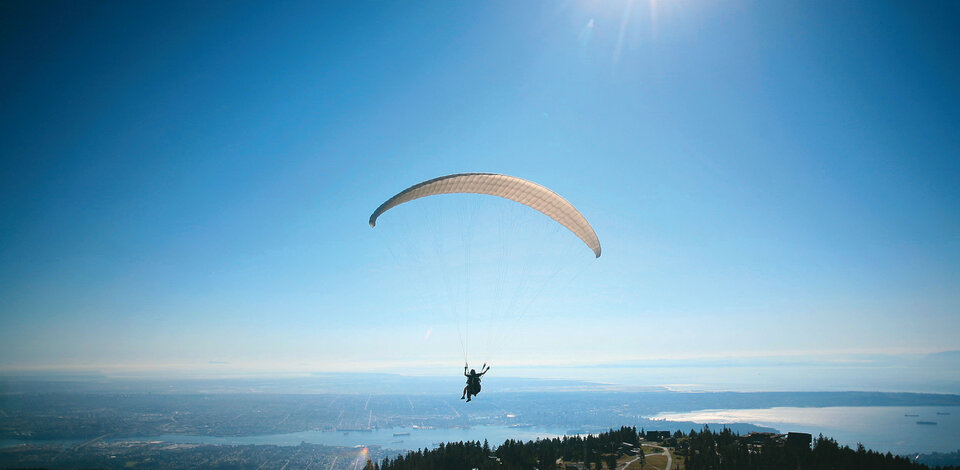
[473,381]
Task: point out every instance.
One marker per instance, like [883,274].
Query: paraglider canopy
[515,189]
[482,262]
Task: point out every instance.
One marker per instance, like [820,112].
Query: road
[663,450]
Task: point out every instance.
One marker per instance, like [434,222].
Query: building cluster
[797,440]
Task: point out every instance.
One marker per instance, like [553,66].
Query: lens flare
[362,458]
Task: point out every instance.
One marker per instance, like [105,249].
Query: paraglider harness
[473,385]
[473,380]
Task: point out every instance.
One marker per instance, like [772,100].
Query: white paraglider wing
[515,189]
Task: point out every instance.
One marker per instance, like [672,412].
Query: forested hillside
[703,450]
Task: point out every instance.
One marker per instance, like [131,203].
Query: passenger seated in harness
[473,382]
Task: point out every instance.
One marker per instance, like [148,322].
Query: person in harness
[473,381]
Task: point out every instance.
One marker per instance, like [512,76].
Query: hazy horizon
[917,373]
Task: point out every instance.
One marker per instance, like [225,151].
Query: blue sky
[186,186]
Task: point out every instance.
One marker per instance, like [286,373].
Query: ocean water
[417,438]
[882,428]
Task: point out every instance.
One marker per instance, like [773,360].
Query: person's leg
[464,392]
